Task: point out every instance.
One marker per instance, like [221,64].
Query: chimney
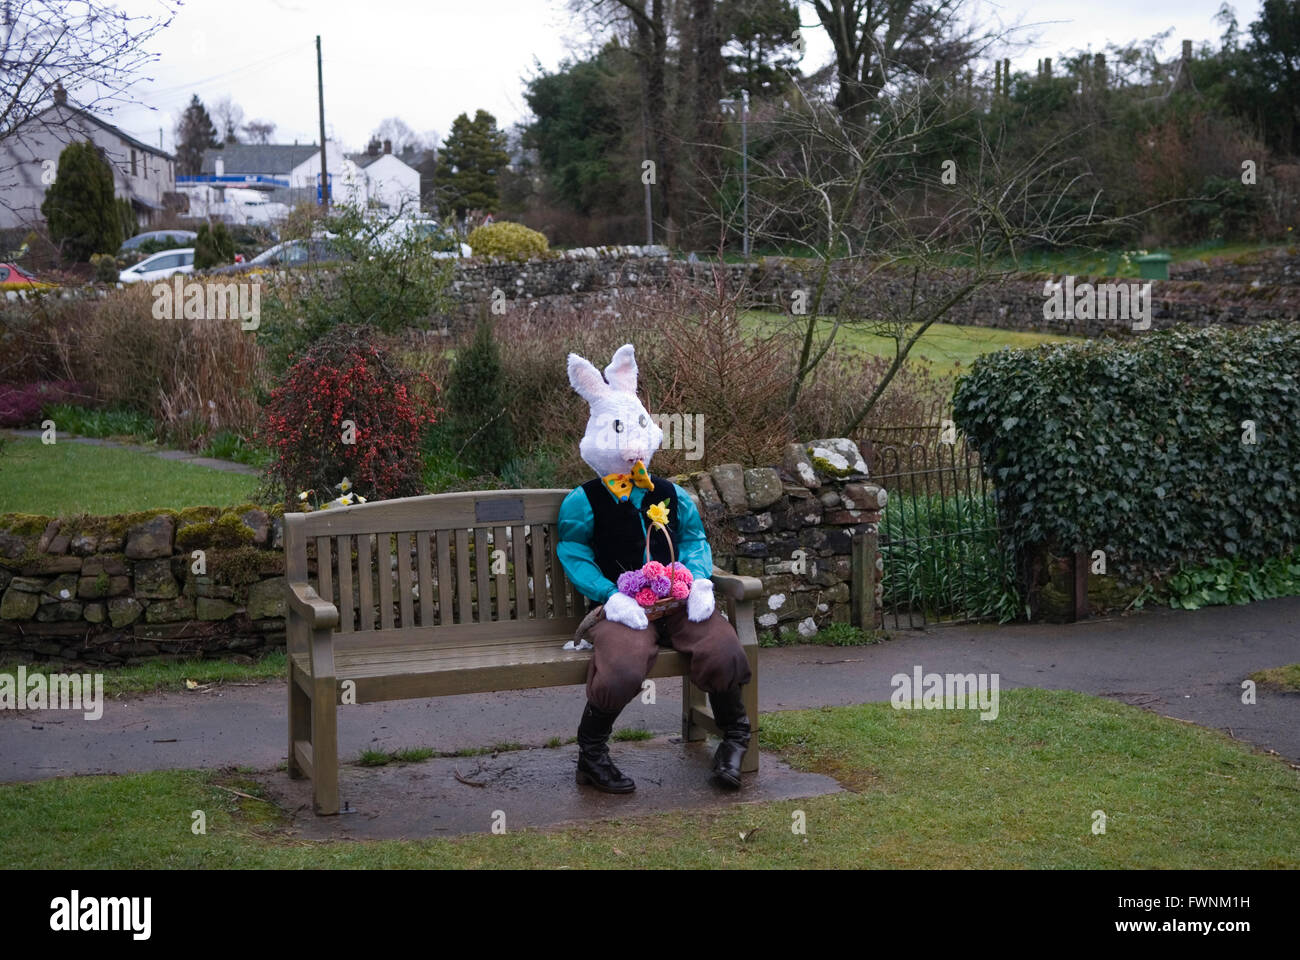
[388,146]
[1187,49]
[60,95]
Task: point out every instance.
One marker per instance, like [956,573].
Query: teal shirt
[579,559]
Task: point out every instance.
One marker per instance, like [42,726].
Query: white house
[391,184]
[287,174]
[29,159]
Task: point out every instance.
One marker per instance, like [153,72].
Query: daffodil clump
[346,497]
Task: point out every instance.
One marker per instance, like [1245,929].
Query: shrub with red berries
[346,409]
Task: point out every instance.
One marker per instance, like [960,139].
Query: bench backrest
[463,568]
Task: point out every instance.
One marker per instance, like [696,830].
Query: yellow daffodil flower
[659,512]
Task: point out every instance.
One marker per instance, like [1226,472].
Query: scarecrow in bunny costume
[606,527]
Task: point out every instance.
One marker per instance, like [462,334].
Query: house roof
[268,158]
[103,125]
[364,160]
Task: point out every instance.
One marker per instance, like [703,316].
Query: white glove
[699,602]
[623,609]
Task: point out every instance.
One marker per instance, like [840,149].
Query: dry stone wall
[806,527]
[115,590]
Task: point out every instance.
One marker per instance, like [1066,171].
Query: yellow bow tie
[620,484]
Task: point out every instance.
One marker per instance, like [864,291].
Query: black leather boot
[729,712]
[594,765]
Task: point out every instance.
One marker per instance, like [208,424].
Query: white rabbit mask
[619,431]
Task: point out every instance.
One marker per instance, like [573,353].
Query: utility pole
[320,97]
[729,105]
[744,160]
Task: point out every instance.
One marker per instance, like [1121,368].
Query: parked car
[290,253]
[173,238]
[14,277]
[442,240]
[160,266]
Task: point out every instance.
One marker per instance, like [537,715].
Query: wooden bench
[447,594]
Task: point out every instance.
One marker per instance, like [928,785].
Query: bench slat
[384,574]
[365,583]
[559,585]
[521,571]
[481,564]
[324,575]
[540,599]
[464,614]
[442,511]
[424,577]
[445,615]
[404,578]
[503,582]
[347,611]
[460,634]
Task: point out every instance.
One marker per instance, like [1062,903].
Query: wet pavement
[527,788]
[1186,665]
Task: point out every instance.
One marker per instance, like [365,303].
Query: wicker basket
[665,604]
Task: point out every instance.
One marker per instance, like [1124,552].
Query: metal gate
[940,539]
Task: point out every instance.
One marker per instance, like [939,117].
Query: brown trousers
[624,656]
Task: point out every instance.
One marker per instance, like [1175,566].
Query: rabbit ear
[621,372]
[586,379]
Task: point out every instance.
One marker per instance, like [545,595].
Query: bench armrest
[307,603]
[736,586]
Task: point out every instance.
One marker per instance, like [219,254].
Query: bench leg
[299,722]
[693,698]
[325,747]
[749,763]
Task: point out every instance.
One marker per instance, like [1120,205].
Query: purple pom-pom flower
[660,585]
[631,582]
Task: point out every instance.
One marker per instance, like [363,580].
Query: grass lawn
[925,789]
[66,479]
[153,676]
[945,347]
[1285,679]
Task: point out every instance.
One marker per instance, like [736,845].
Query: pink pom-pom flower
[681,590]
[646,597]
[680,572]
[653,570]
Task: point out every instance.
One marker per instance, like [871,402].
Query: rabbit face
[619,430]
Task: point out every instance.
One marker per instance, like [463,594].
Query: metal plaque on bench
[509,510]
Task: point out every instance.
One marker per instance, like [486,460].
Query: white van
[160,266]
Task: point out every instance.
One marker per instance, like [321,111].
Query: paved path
[211,463]
[1185,665]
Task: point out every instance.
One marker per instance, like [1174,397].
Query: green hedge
[1136,446]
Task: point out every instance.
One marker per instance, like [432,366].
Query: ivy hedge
[1141,447]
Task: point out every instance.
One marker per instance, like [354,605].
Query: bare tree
[399,133]
[875,38]
[895,234]
[92,49]
[230,117]
[259,131]
[646,21]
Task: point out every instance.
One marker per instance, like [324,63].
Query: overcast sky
[426,61]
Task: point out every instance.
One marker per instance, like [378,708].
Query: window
[133,173]
[4,274]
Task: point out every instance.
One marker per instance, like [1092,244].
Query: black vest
[617,538]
